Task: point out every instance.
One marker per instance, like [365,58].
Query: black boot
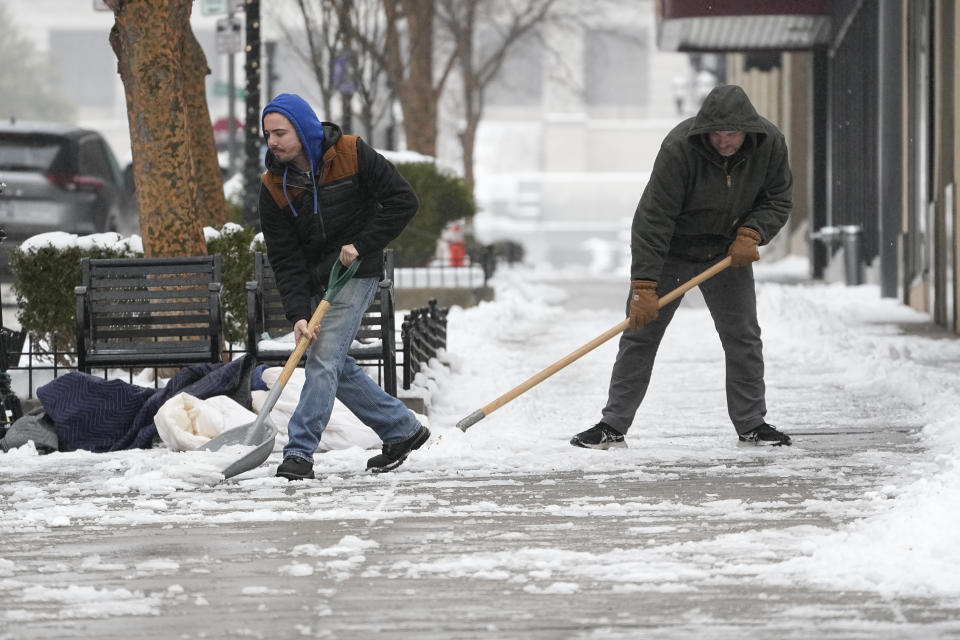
[601,436]
[295,468]
[393,455]
[766,434]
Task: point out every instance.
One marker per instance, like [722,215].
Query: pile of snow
[132,245]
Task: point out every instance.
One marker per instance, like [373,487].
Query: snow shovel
[262,433]
[536,379]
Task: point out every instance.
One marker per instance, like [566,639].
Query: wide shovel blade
[539,377]
[262,433]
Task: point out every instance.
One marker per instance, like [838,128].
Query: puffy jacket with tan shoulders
[361,199]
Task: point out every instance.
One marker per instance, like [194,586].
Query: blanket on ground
[100,415]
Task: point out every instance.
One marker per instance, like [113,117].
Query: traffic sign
[214,7]
[222,89]
[229,35]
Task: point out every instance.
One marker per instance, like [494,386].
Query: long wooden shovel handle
[536,379]
[339,275]
[303,342]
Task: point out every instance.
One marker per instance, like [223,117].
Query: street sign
[214,7]
[229,35]
[222,89]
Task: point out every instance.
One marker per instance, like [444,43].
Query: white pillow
[186,423]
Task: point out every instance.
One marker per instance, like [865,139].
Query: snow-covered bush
[46,269]
[236,245]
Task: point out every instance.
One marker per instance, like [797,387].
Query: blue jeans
[330,373]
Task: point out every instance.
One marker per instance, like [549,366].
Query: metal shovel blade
[261,432]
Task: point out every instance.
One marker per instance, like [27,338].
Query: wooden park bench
[375,342]
[148,312]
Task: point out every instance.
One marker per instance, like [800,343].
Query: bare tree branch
[506,23]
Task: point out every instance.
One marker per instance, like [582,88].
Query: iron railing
[423,334]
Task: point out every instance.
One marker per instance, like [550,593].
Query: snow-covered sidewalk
[508,531]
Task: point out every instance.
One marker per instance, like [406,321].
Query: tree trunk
[468,143]
[472,98]
[211,206]
[418,93]
[148,38]
[413,84]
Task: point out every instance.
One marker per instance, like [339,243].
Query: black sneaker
[766,434]
[295,468]
[601,436]
[393,455]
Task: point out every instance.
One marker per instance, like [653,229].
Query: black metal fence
[28,368]
[475,271]
[423,334]
[22,369]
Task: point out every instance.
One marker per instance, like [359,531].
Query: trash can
[852,238]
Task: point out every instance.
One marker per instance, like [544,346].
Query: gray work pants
[732,302]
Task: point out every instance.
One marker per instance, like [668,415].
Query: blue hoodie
[309,130]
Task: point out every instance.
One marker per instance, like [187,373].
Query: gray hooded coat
[696,199]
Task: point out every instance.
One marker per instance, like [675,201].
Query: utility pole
[231,98]
[252,133]
[270,58]
[229,43]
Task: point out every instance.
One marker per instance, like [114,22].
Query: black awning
[742,25]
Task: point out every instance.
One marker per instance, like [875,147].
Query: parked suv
[60,177]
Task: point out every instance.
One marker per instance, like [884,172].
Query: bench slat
[149,346]
[160,309]
[148,334]
[134,281]
[110,295]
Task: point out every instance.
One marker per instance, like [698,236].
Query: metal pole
[270,58]
[253,136]
[890,157]
[231,112]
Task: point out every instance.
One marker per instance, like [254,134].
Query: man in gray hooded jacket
[720,185]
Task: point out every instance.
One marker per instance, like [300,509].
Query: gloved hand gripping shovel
[262,433]
[534,380]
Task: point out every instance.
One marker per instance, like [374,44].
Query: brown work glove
[644,304]
[743,250]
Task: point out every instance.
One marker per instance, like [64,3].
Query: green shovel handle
[339,276]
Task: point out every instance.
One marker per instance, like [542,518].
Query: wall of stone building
[783,95]
[946,169]
[954,202]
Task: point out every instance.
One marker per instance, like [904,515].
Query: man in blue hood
[327,196]
[721,185]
